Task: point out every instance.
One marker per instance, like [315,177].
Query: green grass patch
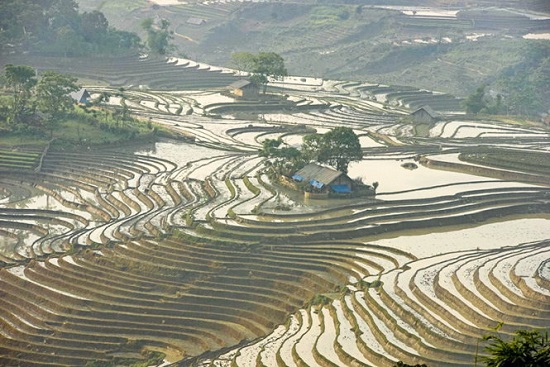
[18,160]
[328,15]
[28,140]
[537,163]
[250,186]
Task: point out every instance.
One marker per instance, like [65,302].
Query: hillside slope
[448,48]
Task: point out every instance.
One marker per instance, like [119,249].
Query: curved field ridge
[430,311]
[187,247]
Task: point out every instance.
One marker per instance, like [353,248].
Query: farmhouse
[324,179]
[244,88]
[81,96]
[425,114]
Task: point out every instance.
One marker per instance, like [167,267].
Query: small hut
[81,96]
[324,179]
[244,89]
[425,114]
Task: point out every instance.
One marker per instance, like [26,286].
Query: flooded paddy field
[187,247]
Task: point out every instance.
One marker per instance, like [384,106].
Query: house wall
[238,92]
[343,180]
[250,92]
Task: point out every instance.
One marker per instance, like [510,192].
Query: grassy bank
[83,127]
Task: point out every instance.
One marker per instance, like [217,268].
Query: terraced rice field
[187,247]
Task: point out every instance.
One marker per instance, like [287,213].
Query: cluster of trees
[57,27]
[35,104]
[337,148]
[261,66]
[158,35]
[480,102]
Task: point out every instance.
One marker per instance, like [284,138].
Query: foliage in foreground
[528,348]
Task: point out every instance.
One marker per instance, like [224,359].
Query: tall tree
[475,102]
[94,26]
[53,97]
[312,146]
[20,79]
[262,66]
[339,147]
[158,36]
[243,61]
[285,159]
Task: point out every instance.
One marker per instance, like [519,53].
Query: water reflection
[486,236]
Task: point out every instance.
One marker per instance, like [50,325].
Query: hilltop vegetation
[56,27]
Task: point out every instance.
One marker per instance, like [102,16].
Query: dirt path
[187,38]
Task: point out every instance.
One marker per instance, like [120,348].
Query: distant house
[324,179]
[196,21]
[425,114]
[244,88]
[81,96]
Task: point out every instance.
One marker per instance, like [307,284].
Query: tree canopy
[57,27]
[262,66]
[53,95]
[337,148]
[158,36]
[50,95]
[20,79]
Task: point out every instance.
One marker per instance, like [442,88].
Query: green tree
[158,36]
[528,348]
[284,160]
[20,79]
[312,146]
[69,42]
[52,93]
[94,26]
[243,61]
[339,147]
[268,64]
[262,66]
[475,102]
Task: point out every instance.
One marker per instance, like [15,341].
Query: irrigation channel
[187,247]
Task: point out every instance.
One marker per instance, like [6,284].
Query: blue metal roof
[341,189]
[316,184]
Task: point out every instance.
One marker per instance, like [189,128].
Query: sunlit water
[486,236]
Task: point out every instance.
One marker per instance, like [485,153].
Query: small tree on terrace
[53,95]
[284,160]
[262,66]
[312,146]
[158,37]
[20,79]
[475,102]
[338,147]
